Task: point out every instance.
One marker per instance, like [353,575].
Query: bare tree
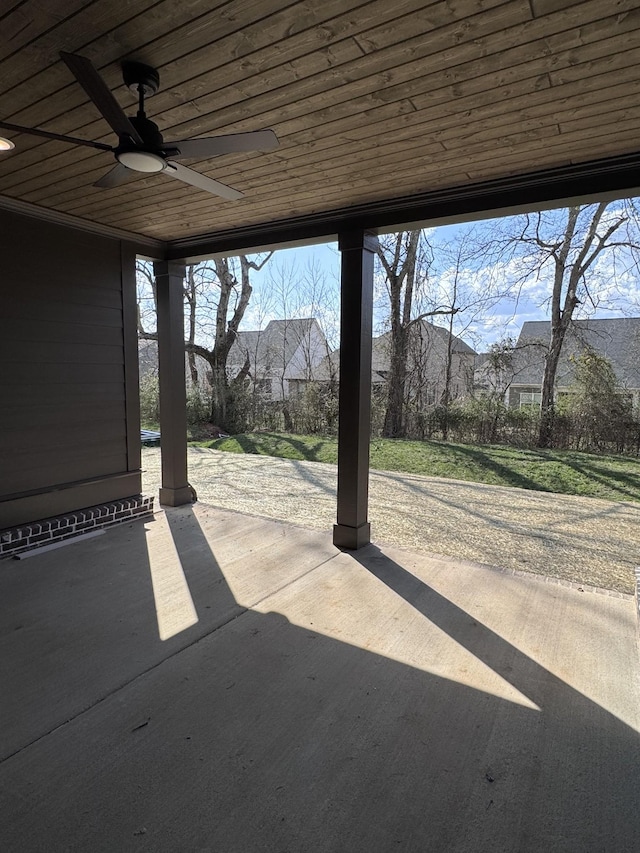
[499,370]
[463,291]
[147,301]
[402,262]
[567,246]
[307,302]
[406,259]
[190,296]
[216,294]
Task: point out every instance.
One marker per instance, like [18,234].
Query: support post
[356,317]
[169,277]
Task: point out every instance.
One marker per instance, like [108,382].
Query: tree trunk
[400,271]
[219,394]
[223,399]
[547,404]
[394,415]
[193,370]
[446,396]
[568,273]
[190,298]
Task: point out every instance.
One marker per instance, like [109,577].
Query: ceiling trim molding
[146,246]
[596,180]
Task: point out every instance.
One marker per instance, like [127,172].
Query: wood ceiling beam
[610,178]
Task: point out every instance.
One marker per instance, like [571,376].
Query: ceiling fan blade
[188,176]
[34,131]
[101,95]
[117,176]
[259,140]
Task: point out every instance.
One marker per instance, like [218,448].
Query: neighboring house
[494,374]
[616,339]
[426,364]
[148,361]
[281,358]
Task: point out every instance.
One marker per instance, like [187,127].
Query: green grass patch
[614,478]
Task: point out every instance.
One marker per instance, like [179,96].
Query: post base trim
[176,497]
[351,538]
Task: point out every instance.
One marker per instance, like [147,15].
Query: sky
[497,291]
[615,286]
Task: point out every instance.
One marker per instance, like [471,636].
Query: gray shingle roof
[617,338]
[427,331]
[381,347]
[274,346]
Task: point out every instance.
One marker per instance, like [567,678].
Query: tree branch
[437,312]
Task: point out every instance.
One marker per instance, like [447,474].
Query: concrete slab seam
[125,684]
[292,582]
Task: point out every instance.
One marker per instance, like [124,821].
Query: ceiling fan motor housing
[136,74]
[148,130]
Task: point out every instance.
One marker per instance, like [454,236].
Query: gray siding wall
[69,417]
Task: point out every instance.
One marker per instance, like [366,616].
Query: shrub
[198,404]
[149,401]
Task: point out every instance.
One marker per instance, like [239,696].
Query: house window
[530,399]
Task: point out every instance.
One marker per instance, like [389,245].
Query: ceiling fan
[141,148]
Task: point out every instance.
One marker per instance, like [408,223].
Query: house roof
[375,104]
[380,347]
[458,345]
[246,342]
[616,338]
[274,346]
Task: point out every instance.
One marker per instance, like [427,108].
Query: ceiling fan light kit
[141,161]
[141,148]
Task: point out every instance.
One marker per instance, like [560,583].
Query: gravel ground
[576,539]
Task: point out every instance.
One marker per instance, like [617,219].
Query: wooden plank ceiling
[371,100]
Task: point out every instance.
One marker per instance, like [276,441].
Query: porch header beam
[597,180]
[610,178]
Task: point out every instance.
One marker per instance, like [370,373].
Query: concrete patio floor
[215,682]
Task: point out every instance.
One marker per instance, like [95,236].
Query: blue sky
[618,291]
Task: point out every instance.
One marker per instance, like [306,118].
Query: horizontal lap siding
[63,393]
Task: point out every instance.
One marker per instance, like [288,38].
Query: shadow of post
[573,729]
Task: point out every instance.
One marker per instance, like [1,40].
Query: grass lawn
[615,478]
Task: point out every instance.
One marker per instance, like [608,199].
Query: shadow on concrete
[256,734]
[80,623]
